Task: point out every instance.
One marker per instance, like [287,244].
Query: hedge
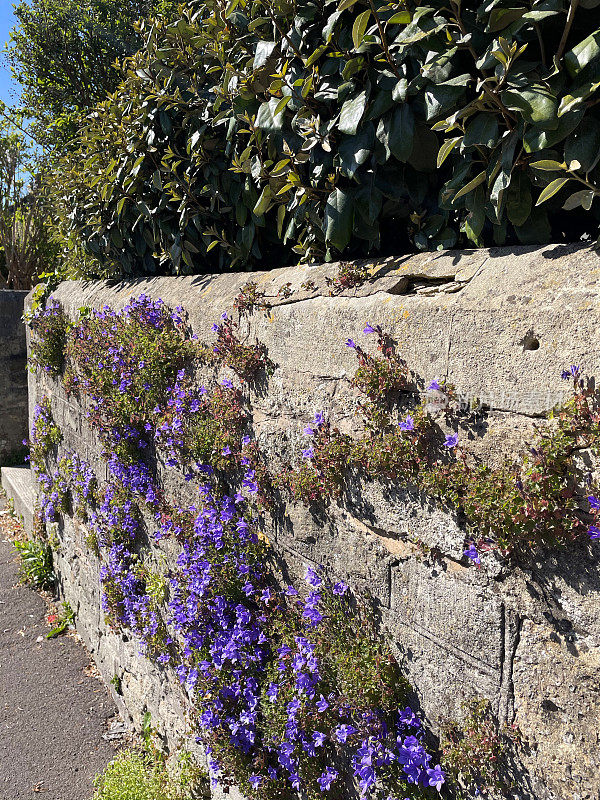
[257,133]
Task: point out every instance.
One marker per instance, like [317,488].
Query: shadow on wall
[13,378]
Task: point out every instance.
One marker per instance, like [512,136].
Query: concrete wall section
[500,325]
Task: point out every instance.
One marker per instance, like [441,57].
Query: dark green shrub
[257,133]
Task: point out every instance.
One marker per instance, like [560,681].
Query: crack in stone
[511,636]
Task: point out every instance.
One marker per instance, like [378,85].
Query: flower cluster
[321,473]
[49,326]
[125,363]
[290,693]
[128,604]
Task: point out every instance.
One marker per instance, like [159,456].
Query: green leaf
[345,4]
[547,165]
[281,104]
[501,18]
[482,129]
[583,54]
[401,135]
[263,202]
[280,220]
[359,28]
[337,223]
[535,101]
[355,150]
[267,119]
[400,18]
[315,55]
[477,180]
[583,198]
[446,148]
[573,101]
[351,113]
[550,190]
[583,144]
[518,199]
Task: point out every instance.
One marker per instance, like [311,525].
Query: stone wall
[13,375]
[500,325]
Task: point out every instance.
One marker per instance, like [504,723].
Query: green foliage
[36,563]
[254,133]
[134,775]
[64,622]
[473,751]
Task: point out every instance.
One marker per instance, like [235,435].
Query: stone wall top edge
[555,274]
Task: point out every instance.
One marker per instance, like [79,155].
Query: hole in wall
[530,341]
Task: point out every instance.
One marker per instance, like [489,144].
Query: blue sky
[7,21]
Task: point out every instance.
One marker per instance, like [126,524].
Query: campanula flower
[594,502]
[573,372]
[342,732]
[351,343]
[322,705]
[408,424]
[434,386]
[327,778]
[436,777]
[473,554]
[451,440]
[594,532]
[312,578]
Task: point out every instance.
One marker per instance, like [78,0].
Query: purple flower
[436,777]
[319,738]
[246,440]
[319,419]
[308,453]
[340,588]
[327,778]
[227,383]
[255,781]
[472,554]
[351,343]
[408,424]
[434,386]
[322,705]
[451,440]
[214,327]
[312,578]
[342,732]
[371,329]
[226,451]
[573,372]
[594,502]
[224,315]
[594,532]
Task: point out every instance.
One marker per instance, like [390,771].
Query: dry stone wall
[13,374]
[500,325]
